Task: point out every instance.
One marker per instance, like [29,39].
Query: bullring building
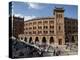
[55,30]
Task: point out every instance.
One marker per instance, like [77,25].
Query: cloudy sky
[33,10]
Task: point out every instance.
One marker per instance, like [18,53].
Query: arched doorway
[60,41]
[25,39]
[44,40]
[51,40]
[30,40]
[36,39]
[21,38]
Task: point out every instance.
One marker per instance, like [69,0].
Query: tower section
[59,20]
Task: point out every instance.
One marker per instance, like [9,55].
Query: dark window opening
[59,27]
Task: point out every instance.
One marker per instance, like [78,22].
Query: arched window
[43,40]
[51,40]
[59,27]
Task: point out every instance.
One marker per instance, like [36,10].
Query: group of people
[55,51]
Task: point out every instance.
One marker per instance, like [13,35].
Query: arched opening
[60,41]
[43,40]
[25,39]
[36,39]
[30,40]
[51,40]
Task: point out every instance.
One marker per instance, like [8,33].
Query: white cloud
[25,17]
[35,5]
[29,17]
[18,15]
